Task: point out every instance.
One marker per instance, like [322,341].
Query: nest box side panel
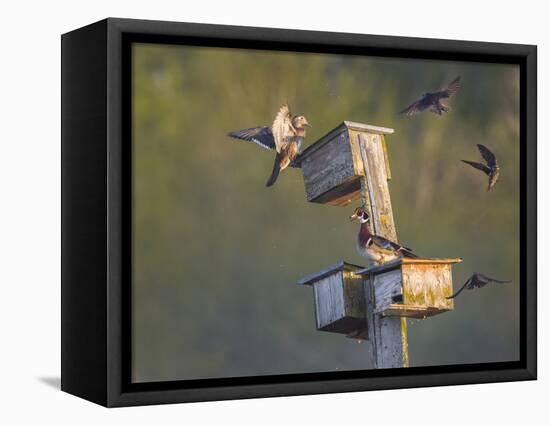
[372,149]
[428,285]
[328,167]
[354,295]
[386,157]
[387,289]
[329,300]
[356,155]
[340,303]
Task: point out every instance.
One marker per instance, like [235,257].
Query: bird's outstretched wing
[477,280]
[492,280]
[282,127]
[487,155]
[451,89]
[485,169]
[417,107]
[263,136]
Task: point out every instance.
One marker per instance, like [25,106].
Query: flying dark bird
[477,280]
[374,247]
[285,136]
[432,100]
[491,169]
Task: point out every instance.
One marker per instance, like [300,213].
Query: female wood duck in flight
[285,136]
[374,247]
[492,169]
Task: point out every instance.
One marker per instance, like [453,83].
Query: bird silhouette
[477,280]
[491,169]
[374,247]
[285,136]
[432,100]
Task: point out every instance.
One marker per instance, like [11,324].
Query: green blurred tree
[216,254]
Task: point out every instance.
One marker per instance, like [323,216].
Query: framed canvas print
[252,212]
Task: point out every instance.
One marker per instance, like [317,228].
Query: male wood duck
[285,136]
[374,247]
[492,169]
[477,280]
[433,100]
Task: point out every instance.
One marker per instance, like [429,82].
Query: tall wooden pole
[387,335]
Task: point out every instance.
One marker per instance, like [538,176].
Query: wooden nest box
[333,166]
[414,288]
[339,298]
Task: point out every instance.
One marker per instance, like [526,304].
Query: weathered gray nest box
[332,166]
[415,288]
[339,298]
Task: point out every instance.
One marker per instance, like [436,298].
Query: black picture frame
[96,206]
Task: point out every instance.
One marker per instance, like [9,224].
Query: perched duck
[477,280]
[432,100]
[491,169]
[285,136]
[374,247]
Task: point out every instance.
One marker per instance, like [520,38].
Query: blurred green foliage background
[216,254]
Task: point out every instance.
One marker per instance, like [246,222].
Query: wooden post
[387,335]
